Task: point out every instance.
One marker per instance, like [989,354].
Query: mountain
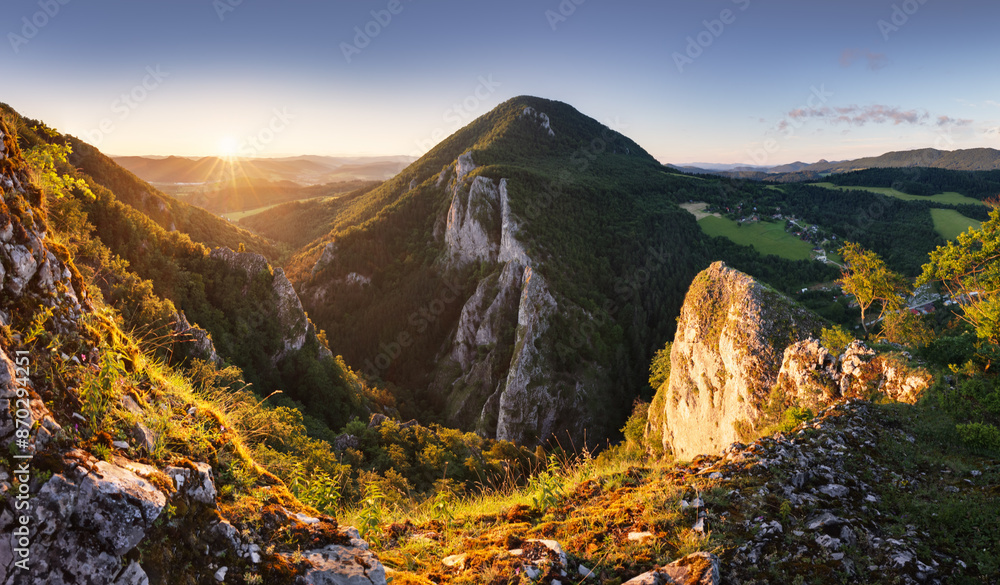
[972,159]
[304,170]
[157,467]
[517,278]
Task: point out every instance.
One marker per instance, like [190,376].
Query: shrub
[980,436]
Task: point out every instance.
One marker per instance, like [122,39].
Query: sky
[725,81]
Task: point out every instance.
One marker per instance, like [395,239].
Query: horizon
[729,82]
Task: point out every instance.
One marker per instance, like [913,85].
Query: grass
[765,237]
[949,223]
[948,198]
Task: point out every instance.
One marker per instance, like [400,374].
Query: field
[948,198]
[949,223]
[765,237]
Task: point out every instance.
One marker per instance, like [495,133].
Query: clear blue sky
[217,73]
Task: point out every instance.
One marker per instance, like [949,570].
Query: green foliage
[44,161]
[835,339]
[871,282]
[635,428]
[546,487]
[969,270]
[980,436]
[372,511]
[659,368]
[100,388]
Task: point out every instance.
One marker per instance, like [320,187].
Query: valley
[532,325]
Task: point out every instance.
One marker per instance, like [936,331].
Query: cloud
[876,61]
[859,116]
[949,121]
[994,130]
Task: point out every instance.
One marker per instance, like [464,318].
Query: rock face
[726,356]
[350,564]
[740,345]
[496,377]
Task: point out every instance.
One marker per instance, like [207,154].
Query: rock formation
[742,348]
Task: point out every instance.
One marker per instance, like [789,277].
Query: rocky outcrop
[812,377]
[198,342]
[540,117]
[67,516]
[343,564]
[726,356]
[741,349]
[291,317]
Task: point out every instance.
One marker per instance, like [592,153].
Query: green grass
[765,237]
[949,223]
[948,198]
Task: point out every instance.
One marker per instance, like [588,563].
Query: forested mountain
[174,271]
[970,159]
[518,277]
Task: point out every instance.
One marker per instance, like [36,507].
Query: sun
[228,147]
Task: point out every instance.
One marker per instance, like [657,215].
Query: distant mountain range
[972,159]
[304,170]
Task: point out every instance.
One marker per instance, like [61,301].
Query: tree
[871,282]
[969,269]
[659,369]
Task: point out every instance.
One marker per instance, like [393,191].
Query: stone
[197,484]
[455,561]
[640,536]
[132,575]
[336,564]
[220,575]
[823,520]
[700,568]
[834,490]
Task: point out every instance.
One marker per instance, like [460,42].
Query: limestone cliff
[742,348]
[494,374]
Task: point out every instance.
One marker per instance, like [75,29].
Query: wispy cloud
[949,121]
[875,61]
[861,115]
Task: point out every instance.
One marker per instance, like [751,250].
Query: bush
[980,436]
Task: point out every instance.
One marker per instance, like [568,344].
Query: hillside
[517,278]
[971,159]
[304,170]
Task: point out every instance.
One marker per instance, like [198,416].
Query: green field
[948,198]
[949,223]
[765,237]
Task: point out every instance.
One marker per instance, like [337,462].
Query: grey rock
[834,490]
[343,565]
[700,568]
